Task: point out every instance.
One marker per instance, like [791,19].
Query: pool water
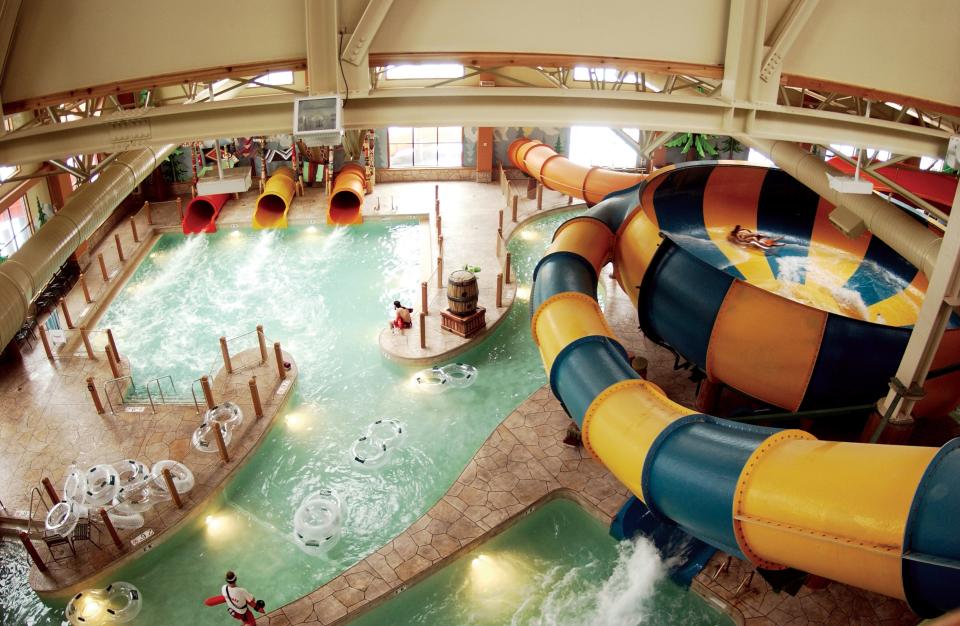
[325,294]
[557,566]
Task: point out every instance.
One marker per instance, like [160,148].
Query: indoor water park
[387,312]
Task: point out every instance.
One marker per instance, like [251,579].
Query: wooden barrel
[462,293]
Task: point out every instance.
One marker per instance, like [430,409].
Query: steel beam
[358,45]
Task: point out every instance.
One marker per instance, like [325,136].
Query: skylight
[424,71]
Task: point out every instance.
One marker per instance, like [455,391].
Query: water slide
[274,203]
[880,517]
[346,200]
[935,187]
[202,212]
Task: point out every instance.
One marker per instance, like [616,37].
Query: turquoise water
[324,294]
[558,566]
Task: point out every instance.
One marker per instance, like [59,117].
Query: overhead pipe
[29,269]
[347,198]
[274,202]
[559,173]
[913,241]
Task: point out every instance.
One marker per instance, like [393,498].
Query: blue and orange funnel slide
[799,324]
[274,203]
[202,213]
[346,199]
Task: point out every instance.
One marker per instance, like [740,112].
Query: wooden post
[423,330]
[180,208]
[499,290]
[66,314]
[255,396]
[262,340]
[85,335]
[439,227]
[92,388]
[113,345]
[146,205]
[32,551]
[278,352]
[172,488]
[114,366]
[103,267]
[539,196]
[436,193]
[116,239]
[436,208]
[111,530]
[440,245]
[86,290]
[48,487]
[207,391]
[500,223]
[506,270]
[45,341]
[225,351]
[440,272]
[513,209]
[423,298]
[133,229]
[221,444]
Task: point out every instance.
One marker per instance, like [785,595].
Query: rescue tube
[460,375]
[432,380]
[182,476]
[203,437]
[103,482]
[318,521]
[227,414]
[62,518]
[118,603]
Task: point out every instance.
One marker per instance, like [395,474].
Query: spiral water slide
[346,200]
[202,212]
[880,517]
[274,203]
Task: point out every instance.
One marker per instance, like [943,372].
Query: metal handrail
[160,388]
[193,391]
[116,381]
[35,490]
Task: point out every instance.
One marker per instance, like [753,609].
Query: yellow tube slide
[274,203]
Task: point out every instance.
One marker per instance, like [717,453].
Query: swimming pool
[556,566]
[324,294]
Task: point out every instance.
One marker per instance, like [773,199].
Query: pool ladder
[116,382]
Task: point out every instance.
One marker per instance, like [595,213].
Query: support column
[322,50]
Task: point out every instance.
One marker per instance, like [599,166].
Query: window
[609,74]
[274,78]
[14,227]
[424,71]
[596,145]
[425,147]
[8,171]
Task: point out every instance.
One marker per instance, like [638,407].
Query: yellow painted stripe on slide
[585,236]
[838,510]
[730,198]
[622,423]
[637,241]
[832,256]
[563,318]
[903,307]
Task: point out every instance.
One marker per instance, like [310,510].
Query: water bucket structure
[462,293]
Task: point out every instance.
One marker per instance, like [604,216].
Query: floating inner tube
[227,414]
[432,380]
[460,374]
[103,482]
[62,518]
[75,486]
[386,430]
[369,452]
[118,603]
[203,437]
[318,521]
[182,476]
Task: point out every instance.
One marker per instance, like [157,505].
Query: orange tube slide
[347,198]
[592,184]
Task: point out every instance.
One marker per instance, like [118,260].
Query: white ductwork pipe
[912,240]
[29,269]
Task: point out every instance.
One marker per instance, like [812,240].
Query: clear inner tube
[75,486]
[203,437]
[369,452]
[62,518]
[182,476]
[125,521]
[460,375]
[431,380]
[131,472]
[227,414]
[103,483]
[318,521]
[387,430]
[118,603]
[135,498]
